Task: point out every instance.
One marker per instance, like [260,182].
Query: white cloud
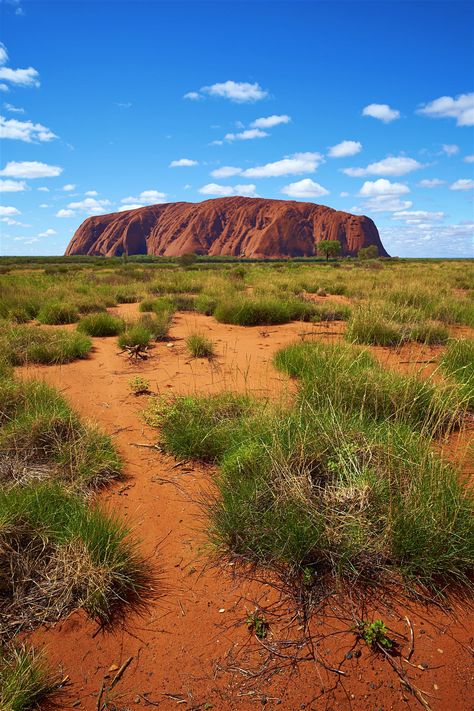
[345,149]
[226,171]
[228,190]
[10,221]
[7,211]
[246,135]
[392,166]
[382,186]
[461,108]
[4,87]
[462,184]
[291,165]
[239,91]
[30,169]
[44,204]
[192,95]
[43,190]
[65,213]
[68,187]
[146,197]
[91,193]
[383,196]
[47,233]
[450,149]
[418,217]
[215,189]
[183,163]
[305,188]
[343,194]
[13,109]
[383,112]
[89,205]
[3,54]
[12,186]
[431,183]
[25,131]
[469,159]
[217,143]
[270,121]
[21,77]
[132,206]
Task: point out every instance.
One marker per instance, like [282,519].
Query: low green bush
[458,363]
[199,346]
[22,344]
[25,679]
[367,329]
[57,314]
[101,324]
[248,311]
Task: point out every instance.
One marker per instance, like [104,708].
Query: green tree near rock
[370,252]
[329,248]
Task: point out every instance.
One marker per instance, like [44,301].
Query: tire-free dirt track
[180,641]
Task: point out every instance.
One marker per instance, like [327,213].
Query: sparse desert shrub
[429,333]
[458,362]
[206,304]
[199,427]
[184,302]
[101,324]
[25,679]
[57,314]
[245,311]
[31,344]
[135,335]
[368,329]
[139,385]
[158,325]
[199,346]
[330,311]
[126,296]
[81,556]
[351,380]
[187,260]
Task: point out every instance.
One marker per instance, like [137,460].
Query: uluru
[234,226]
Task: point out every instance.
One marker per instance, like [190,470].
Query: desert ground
[236,485]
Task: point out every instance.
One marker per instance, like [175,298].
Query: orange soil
[180,641]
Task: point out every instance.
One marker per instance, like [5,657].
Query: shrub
[199,346]
[101,324]
[135,335]
[126,296]
[187,260]
[206,304]
[25,679]
[429,333]
[370,252]
[367,329]
[57,314]
[30,344]
[157,325]
[245,311]
[458,362]
[331,311]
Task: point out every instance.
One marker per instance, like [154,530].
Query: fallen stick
[120,673]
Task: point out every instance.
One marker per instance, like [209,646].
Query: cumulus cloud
[383,196]
[3,54]
[227,190]
[8,211]
[305,188]
[460,108]
[469,159]
[12,186]
[146,197]
[89,205]
[68,187]
[26,131]
[270,121]
[290,165]
[21,77]
[431,183]
[392,166]
[383,112]
[65,213]
[91,193]
[418,217]
[30,169]
[227,171]
[47,233]
[240,92]
[247,135]
[183,163]
[450,149]
[345,149]
[462,184]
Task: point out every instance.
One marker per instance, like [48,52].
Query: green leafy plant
[199,346]
[139,385]
[329,248]
[375,635]
[257,624]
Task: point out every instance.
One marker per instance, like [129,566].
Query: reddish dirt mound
[238,226]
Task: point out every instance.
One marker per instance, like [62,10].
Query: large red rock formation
[235,226]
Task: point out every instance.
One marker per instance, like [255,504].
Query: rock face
[236,226]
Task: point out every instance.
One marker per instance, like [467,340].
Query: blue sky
[364,106]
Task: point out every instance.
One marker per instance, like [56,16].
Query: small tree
[370,252]
[187,260]
[329,248]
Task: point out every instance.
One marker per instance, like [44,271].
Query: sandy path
[175,643]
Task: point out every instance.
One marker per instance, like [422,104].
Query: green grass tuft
[199,346]
[101,324]
[25,679]
[57,314]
